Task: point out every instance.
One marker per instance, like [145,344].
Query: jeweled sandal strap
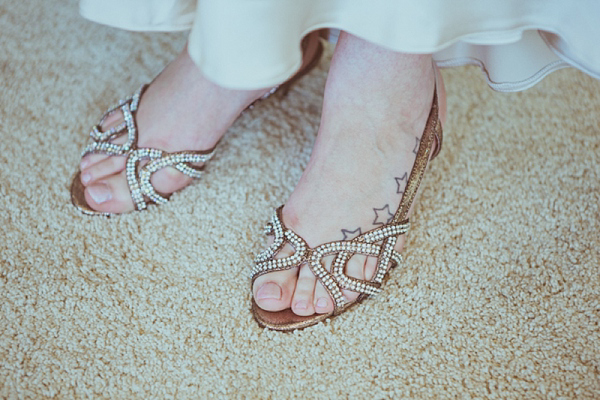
[336,280]
[138,179]
[101,141]
[266,262]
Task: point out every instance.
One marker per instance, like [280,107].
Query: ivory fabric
[250,44]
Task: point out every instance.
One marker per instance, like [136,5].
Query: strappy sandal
[138,178]
[378,243]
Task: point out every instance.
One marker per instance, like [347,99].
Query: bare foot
[181,110]
[375,108]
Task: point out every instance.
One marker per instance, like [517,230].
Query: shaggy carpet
[498,297]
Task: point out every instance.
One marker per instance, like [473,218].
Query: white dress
[248,44]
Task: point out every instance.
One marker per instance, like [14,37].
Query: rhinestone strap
[336,280]
[266,261]
[138,178]
[101,141]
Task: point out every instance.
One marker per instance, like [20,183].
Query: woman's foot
[375,108]
[180,111]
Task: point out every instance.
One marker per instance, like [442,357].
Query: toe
[359,267]
[355,269]
[370,267]
[274,291]
[400,243]
[107,167]
[269,291]
[169,180]
[110,195]
[323,303]
[303,300]
[112,120]
[91,159]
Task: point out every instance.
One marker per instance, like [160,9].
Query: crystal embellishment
[378,243]
[138,175]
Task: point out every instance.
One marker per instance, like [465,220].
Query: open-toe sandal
[138,174]
[377,243]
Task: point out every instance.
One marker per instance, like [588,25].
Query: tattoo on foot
[348,234]
[416,149]
[401,182]
[382,215]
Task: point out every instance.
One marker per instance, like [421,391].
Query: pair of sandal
[378,242]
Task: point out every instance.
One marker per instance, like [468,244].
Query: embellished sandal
[377,242]
[138,178]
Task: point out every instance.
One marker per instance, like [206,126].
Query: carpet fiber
[498,297]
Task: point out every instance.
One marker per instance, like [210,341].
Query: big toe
[110,195]
[274,291]
[269,291]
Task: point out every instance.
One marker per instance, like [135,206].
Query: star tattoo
[382,215]
[401,182]
[416,149]
[348,234]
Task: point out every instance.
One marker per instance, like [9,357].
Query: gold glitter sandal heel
[377,243]
[138,178]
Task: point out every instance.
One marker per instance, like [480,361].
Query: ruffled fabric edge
[514,54]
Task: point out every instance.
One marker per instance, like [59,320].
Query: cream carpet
[499,295]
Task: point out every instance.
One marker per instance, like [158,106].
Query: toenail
[301,305]
[83,164]
[322,303]
[99,193]
[85,178]
[269,291]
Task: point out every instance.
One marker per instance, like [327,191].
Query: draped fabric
[248,44]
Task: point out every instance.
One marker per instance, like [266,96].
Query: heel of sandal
[285,87]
